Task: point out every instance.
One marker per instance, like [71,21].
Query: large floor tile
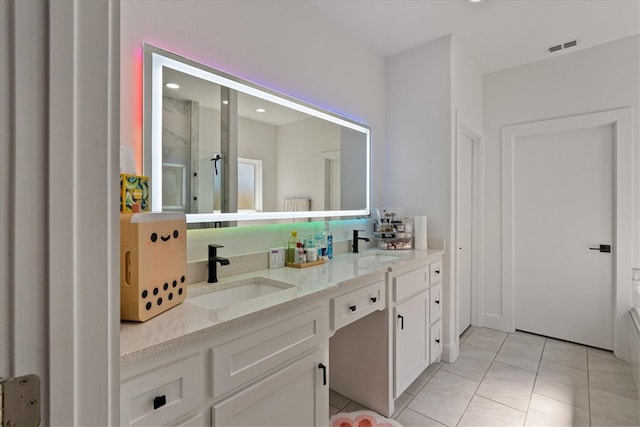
[354,406]
[338,400]
[612,375]
[411,418]
[444,398]
[333,410]
[485,412]
[423,378]
[472,363]
[508,385]
[563,383]
[522,350]
[565,353]
[401,403]
[609,409]
[488,339]
[546,412]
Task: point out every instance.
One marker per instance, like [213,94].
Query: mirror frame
[154,60]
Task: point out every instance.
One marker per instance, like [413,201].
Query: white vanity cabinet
[239,377]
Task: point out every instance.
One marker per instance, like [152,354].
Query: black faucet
[214,259]
[354,246]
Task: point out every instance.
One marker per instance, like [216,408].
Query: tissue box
[134,189]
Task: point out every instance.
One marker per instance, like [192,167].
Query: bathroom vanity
[270,359]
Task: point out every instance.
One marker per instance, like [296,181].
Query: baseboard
[450,352]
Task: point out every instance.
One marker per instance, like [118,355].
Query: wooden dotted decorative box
[153,263]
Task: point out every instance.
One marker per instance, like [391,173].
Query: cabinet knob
[159,401]
[401,317]
[437,301]
[374,299]
[437,340]
[437,271]
[352,307]
[324,373]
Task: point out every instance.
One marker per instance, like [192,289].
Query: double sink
[252,288]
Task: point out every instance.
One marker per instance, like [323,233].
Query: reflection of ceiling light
[225,102]
[260,110]
[173,85]
[475,1]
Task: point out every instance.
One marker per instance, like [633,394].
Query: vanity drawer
[436,341]
[410,283]
[356,304]
[436,272]
[174,389]
[435,311]
[259,351]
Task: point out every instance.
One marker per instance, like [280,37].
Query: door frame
[477,220]
[620,120]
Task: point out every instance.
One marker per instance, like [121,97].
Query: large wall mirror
[222,149]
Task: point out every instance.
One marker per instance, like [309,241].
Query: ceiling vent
[562,46]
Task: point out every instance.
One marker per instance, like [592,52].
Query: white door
[562,208]
[464,219]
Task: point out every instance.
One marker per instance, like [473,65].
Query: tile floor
[517,379]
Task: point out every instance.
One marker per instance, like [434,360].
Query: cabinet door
[411,340]
[296,396]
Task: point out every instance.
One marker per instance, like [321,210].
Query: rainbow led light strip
[154,61]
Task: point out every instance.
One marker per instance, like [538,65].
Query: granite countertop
[188,322]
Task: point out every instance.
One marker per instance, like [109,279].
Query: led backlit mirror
[222,149]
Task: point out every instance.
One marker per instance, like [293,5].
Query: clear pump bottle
[292,247]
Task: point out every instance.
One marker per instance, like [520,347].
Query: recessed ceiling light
[475,1]
[173,85]
[260,110]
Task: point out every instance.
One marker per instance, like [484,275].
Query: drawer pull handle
[401,317]
[352,307]
[374,299]
[159,401]
[438,340]
[437,301]
[437,271]
[324,373]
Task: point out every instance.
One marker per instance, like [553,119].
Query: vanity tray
[306,264]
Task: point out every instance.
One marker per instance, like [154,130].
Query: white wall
[418,173]
[287,46]
[417,167]
[595,79]
[466,87]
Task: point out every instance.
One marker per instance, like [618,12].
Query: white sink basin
[371,259]
[241,291]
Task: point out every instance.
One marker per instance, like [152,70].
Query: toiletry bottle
[329,239]
[320,245]
[310,249]
[292,246]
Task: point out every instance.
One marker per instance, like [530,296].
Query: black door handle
[352,307]
[374,299]
[602,248]
[401,317]
[324,373]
